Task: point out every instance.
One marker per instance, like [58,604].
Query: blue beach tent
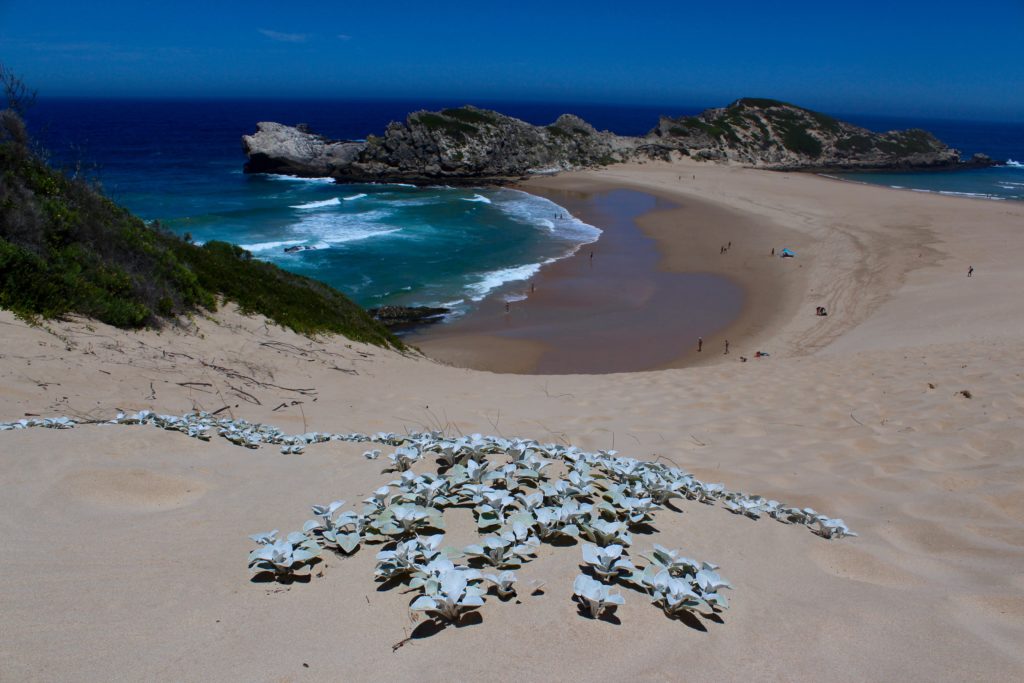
[786,253]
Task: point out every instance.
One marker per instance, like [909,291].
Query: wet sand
[656,282]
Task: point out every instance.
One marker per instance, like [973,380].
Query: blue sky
[940,58]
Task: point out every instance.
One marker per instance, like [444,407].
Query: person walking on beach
[700,344]
[970,271]
[726,347]
[773,251]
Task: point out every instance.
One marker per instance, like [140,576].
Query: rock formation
[772,134]
[400,317]
[473,146]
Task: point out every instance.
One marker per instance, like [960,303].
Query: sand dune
[127,545]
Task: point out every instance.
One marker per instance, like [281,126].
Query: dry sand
[124,547]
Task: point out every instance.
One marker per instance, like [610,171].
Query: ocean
[179,162]
[1001,141]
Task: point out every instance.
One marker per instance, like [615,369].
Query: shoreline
[904,188]
[688,240]
[686,235]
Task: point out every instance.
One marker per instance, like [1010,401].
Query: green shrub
[855,143]
[800,141]
[559,132]
[467,115]
[451,127]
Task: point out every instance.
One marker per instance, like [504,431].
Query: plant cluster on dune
[522,493]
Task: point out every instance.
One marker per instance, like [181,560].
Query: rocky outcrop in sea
[473,146]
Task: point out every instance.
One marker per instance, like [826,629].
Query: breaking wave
[490,281]
[299,179]
[318,205]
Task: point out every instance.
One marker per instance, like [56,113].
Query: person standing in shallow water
[970,271]
[726,347]
[700,344]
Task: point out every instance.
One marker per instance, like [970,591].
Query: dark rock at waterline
[298,247]
[408,316]
[980,160]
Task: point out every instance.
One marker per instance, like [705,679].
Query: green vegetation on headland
[783,135]
[65,248]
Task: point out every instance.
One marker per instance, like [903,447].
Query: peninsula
[473,146]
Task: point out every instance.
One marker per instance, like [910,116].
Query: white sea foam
[355,196]
[338,228]
[496,278]
[544,213]
[476,198]
[951,193]
[334,201]
[267,246]
[299,179]
[1013,164]
[980,195]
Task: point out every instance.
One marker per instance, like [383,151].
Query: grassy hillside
[65,248]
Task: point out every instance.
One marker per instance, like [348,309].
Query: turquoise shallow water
[395,243]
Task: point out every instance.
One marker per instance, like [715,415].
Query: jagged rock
[276,148]
[465,145]
[407,316]
[471,146]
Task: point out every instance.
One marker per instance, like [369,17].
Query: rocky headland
[471,145]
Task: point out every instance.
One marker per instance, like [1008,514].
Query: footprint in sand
[132,489]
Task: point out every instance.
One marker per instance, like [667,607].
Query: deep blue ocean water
[180,162]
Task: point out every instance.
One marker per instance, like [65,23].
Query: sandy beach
[902,412]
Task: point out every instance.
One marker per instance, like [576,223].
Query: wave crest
[334,201]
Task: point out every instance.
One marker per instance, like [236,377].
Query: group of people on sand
[724,248]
